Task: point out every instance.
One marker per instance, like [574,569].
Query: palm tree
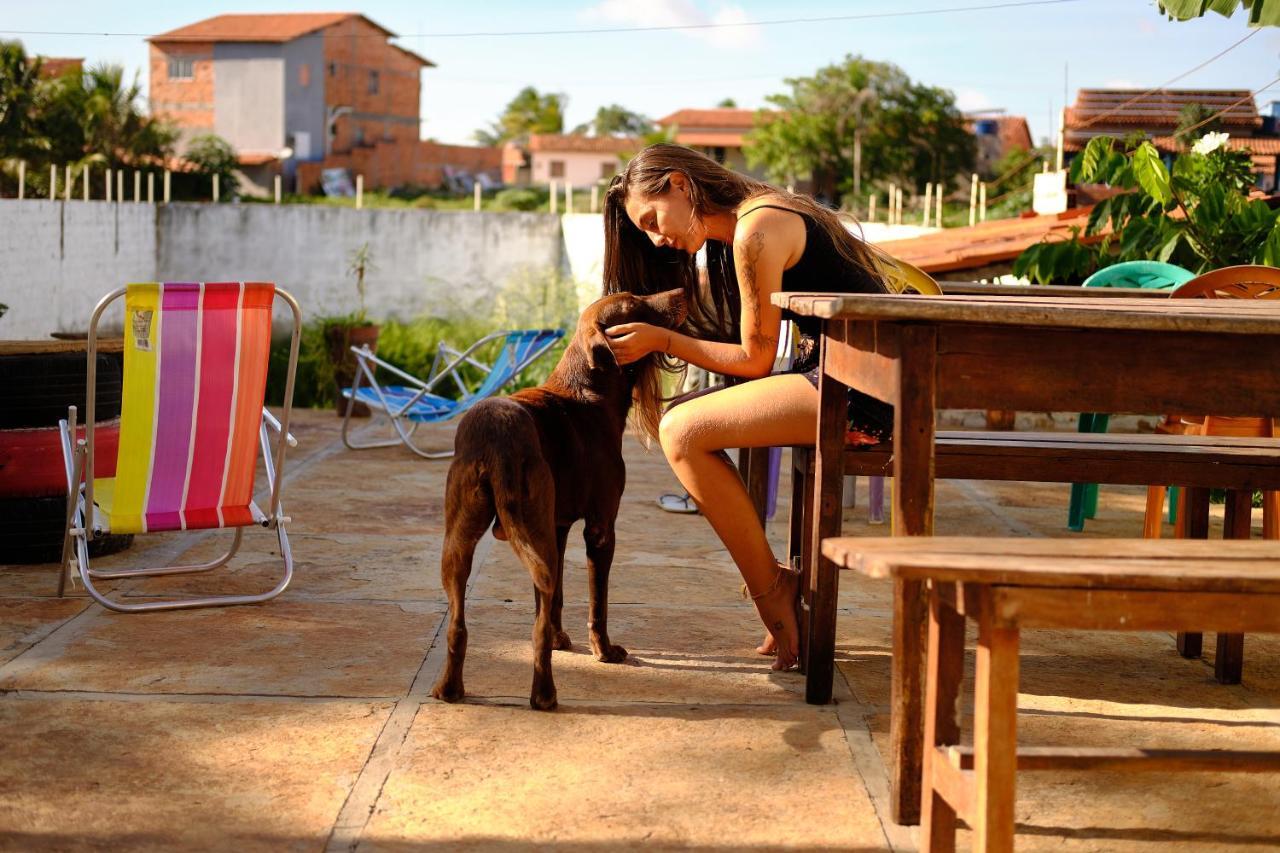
[19,79]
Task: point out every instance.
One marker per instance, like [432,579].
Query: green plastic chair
[1149,275]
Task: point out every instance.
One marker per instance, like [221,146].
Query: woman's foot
[777,608]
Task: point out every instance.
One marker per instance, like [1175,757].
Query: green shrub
[520,198]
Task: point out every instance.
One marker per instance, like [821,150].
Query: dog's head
[667,309]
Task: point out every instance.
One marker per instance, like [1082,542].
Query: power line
[866,16]
[1152,91]
[1230,106]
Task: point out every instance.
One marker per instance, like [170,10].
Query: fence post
[937,200]
[973,198]
[85,182]
[106,180]
[137,187]
[66,184]
[928,203]
[119,186]
[22,179]
[151,187]
[53,182]
[167,174]
[277,188]
[475,191]
[982,202]
[215,187]
[554,199]
[871,207]
[568,197]
[359,192]
[595,198]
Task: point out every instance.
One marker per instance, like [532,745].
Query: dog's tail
[499,440]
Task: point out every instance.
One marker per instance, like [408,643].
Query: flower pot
[340,340]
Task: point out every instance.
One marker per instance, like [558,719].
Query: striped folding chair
[408,406]
[191,424]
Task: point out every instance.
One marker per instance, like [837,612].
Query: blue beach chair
[417,402]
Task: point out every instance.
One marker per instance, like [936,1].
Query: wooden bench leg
[995,734]
[1193,523]
[798,543]
[1228,661]
[944,673]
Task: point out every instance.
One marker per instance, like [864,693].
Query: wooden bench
[1007,585]
[1239,465]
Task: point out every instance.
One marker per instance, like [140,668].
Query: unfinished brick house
[297,93]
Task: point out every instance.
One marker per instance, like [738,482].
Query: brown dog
[539,461]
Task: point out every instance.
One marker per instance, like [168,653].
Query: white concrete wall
[58,259]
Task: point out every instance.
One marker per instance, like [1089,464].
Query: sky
[1019,59]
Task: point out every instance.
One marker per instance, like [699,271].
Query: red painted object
[31,459]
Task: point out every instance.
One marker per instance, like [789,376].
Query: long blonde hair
[634,265]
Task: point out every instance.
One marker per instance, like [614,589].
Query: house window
[557,168]
[608,170]
[333,69]
[373,82]
[359,135]
[304,75]
[181,68]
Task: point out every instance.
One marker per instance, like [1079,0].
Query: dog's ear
[599,354]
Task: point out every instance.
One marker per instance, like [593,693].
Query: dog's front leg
[600,541]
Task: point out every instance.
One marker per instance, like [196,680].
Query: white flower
[1210,142]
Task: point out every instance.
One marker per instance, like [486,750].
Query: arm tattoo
[751,298]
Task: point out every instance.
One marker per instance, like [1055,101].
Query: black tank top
[821,269]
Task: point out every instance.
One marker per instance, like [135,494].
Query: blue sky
[1011,58]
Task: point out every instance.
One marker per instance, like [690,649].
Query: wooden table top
[979,288]
[1150,564]
[1235,316]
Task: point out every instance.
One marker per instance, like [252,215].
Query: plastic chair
[408,406]
[192,421]
[1155,275]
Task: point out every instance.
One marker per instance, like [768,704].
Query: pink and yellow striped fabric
[195,372]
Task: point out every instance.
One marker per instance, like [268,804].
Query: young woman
[668,203]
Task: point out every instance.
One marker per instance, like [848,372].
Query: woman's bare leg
[776,411]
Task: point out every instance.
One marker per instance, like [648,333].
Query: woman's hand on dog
[633,341]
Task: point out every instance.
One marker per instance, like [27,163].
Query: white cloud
[971,100]
[682,13]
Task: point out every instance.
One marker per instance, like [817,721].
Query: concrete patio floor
[307,723]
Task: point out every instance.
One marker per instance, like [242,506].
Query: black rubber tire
[31,532]
[36,389]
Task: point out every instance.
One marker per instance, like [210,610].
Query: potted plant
[342,333]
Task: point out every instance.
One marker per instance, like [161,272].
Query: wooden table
[1003,352]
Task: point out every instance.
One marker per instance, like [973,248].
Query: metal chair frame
[367,365]
[78,455]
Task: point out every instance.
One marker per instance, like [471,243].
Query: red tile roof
[54,66]
[1100,108]
[722,117]
[1258,145]
[1012,131]
[996,242]
[579,142]
[277,28]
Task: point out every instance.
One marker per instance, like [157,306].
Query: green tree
[1261,12]
[528,112]
[727,104]
[862,118]
[615,120]
[1193,123]
[19,81]
[213,155]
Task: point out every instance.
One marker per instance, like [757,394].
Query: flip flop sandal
[678,503]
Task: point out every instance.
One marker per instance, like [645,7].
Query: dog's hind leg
[599,539]
[468,513]
[526,509]
[562,641]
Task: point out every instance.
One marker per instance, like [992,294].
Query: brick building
[997,135]
[297,93]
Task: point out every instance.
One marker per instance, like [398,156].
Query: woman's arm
[762,247]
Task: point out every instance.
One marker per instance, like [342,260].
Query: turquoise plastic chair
[1149,275]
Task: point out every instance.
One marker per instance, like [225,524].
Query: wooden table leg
[1228,661]
[1193,523]
[753,465]
[828,485]
[995,734]
[913,434]
[944,673]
